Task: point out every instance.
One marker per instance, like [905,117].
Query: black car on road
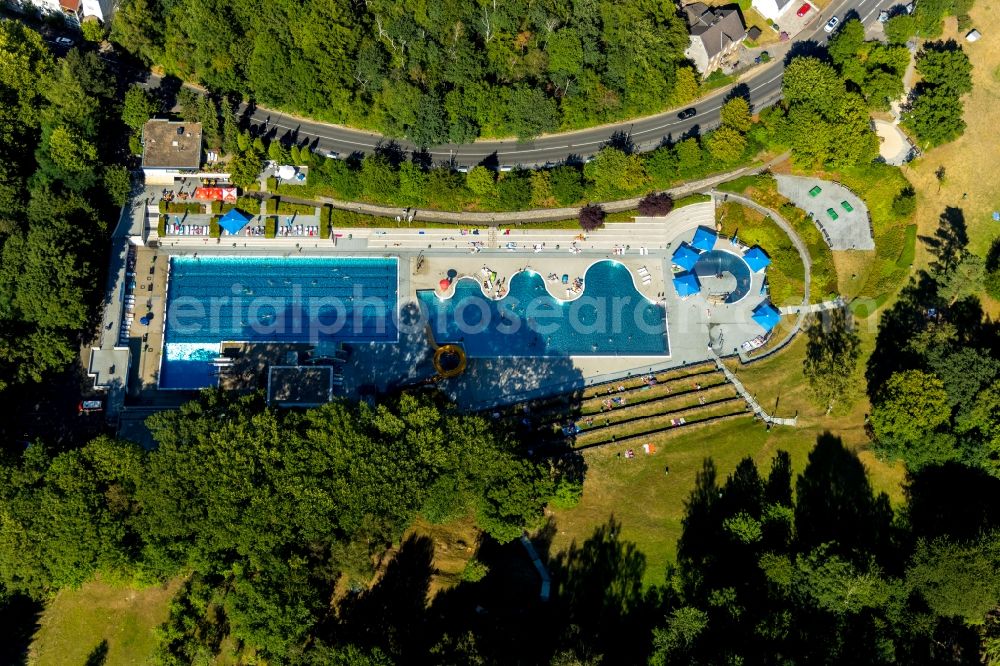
[687,113]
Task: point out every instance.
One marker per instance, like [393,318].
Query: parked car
[831,25]
[505,168]
[687,113]
[803,10]
[333,154]
[461,168]
[883,16]
[64,41]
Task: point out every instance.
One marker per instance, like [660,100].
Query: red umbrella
[444,284]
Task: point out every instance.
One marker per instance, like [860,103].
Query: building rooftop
[171,145]
[716,27]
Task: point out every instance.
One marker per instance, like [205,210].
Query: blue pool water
[611,318]
[716,262]
[271,299]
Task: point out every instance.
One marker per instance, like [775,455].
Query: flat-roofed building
[170,149]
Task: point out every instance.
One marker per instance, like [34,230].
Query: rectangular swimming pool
[610,318]
[211,300]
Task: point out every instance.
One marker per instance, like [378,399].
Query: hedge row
[179,207]
[214,230]
[325,214]
[161,226]
[270,226]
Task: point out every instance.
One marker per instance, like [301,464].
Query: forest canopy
[431,71]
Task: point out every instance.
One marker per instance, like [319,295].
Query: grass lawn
[75,623]
[972,162]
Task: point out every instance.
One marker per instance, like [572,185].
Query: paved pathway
[813,308]
[806,263]
[753,404]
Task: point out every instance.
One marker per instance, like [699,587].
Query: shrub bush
[270,226]
[591,217]
[272,183]
[474,571]
[214,230]
[656,204]
[905,202]
[324,221]
[216,207]
[161,225]
[271,206]
[288,208]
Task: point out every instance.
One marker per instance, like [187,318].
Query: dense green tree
[615,173]
[958,579]
[246,168]
[726,144]
[907,412]
[736,114]
[900,28]
[567,185]
[935,117]
[118,182]
[138,107]
[945,65]
[65,516]
[481,181]
[688,154]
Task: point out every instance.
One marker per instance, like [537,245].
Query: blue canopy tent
[704,239]
[686,257]
[766,315]
[686,284]
[234,221]
[756,259]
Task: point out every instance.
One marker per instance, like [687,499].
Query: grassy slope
[76,621]
[972,162]
[650,504]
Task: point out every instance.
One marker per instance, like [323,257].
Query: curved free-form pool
[610,318]
[718,262]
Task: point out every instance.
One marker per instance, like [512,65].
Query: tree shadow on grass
[835,504]
[599,598]
[949,242]
[98,655]
[391,615]
[19,618]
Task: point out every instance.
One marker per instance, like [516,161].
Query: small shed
[973,35]
[753,33]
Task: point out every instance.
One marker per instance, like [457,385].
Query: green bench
[815,191]
[848,207]
[832,213]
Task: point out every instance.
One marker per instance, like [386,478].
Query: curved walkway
[803,253]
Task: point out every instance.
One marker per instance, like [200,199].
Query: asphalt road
[646,133]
